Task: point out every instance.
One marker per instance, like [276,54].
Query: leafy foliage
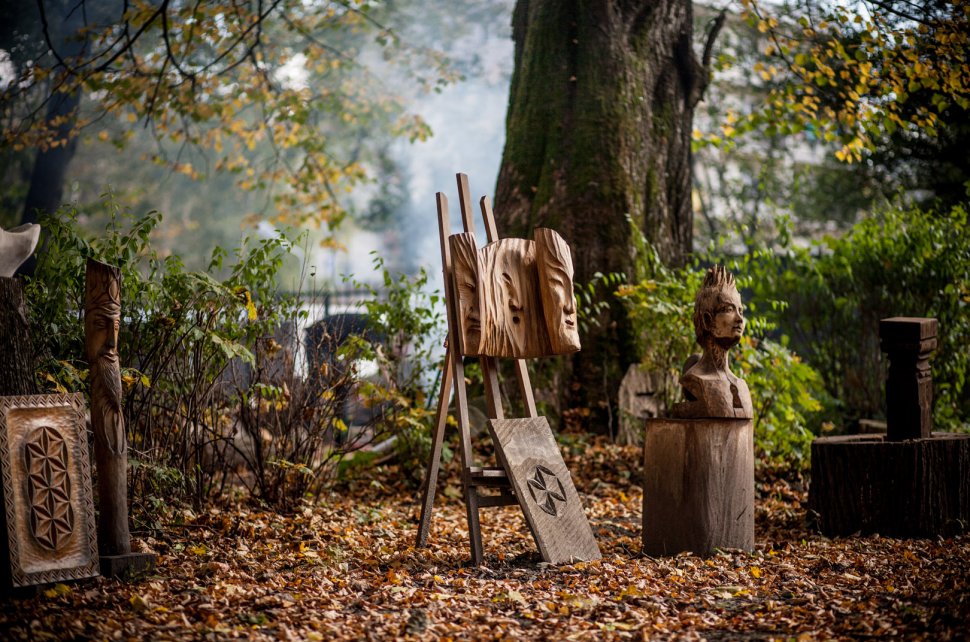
[786,392]
[279,94]
[409,361]
[899,262]
[199,401]
[853,76]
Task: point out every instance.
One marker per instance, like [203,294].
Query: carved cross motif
[49,487]
[546,489]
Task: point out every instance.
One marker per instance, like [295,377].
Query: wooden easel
[474,478]
[477,478]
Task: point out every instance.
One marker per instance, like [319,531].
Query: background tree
[279,94]
[598,134]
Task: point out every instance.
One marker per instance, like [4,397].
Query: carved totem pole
[698,492]
[102,318]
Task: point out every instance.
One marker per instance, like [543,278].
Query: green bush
[191,425]
[410,361]
[899,262]
[786,392]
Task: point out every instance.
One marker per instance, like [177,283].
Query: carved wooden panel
[555,274]
[530,455]
[466,271]
[514,296]
[512,325]
[48,508]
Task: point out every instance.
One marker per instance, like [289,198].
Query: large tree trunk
[598,131]
[46,190]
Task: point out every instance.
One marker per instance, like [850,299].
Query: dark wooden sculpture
[909,343]
[698,492]
[102,318]
[48,512]
[710,388]
[493,294]
[910,482]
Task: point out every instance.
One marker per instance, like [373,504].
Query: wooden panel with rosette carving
[48,510]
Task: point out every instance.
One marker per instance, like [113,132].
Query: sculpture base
[127,565]
[698,485]
[867,484]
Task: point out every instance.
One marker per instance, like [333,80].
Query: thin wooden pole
[461,400]
[521,370]
[431,477]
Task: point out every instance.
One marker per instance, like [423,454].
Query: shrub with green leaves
[410,361]
[898,262]
[190,426]
[786,391]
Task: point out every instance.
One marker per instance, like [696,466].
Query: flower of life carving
[49,487]
[546,490]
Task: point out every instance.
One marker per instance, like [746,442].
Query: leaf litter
[345,567]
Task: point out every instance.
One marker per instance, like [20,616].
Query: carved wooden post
[102,318]
[910,483]
[909,342]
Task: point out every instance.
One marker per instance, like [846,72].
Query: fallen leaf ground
[346,568]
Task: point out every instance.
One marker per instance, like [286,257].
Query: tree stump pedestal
[698,486]
[870,484]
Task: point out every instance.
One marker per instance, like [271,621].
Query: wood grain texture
[698,488]
[554,265]
[102,319]
[467,287]
[870,484]
[512,323]
[17,373]
[48,511]
[552,507]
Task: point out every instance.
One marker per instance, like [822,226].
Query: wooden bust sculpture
[710,388]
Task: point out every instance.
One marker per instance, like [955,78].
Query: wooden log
[17,373]
[698,488]
[870,484]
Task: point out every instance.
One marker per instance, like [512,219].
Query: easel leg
[474,526]
[431,477]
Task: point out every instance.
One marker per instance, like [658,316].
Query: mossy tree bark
[598,132]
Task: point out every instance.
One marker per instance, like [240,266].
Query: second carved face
[555,269]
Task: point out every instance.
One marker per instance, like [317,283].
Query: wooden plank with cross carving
[528,451]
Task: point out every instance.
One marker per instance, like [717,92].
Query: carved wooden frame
[64,410]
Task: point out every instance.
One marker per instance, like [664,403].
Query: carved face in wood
[718,312]
[511,327]
[555,271]
[467,274]
[726,323]
[102,318]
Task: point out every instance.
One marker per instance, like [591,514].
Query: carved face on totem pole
[467,274]
[102,319]
[555,268]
